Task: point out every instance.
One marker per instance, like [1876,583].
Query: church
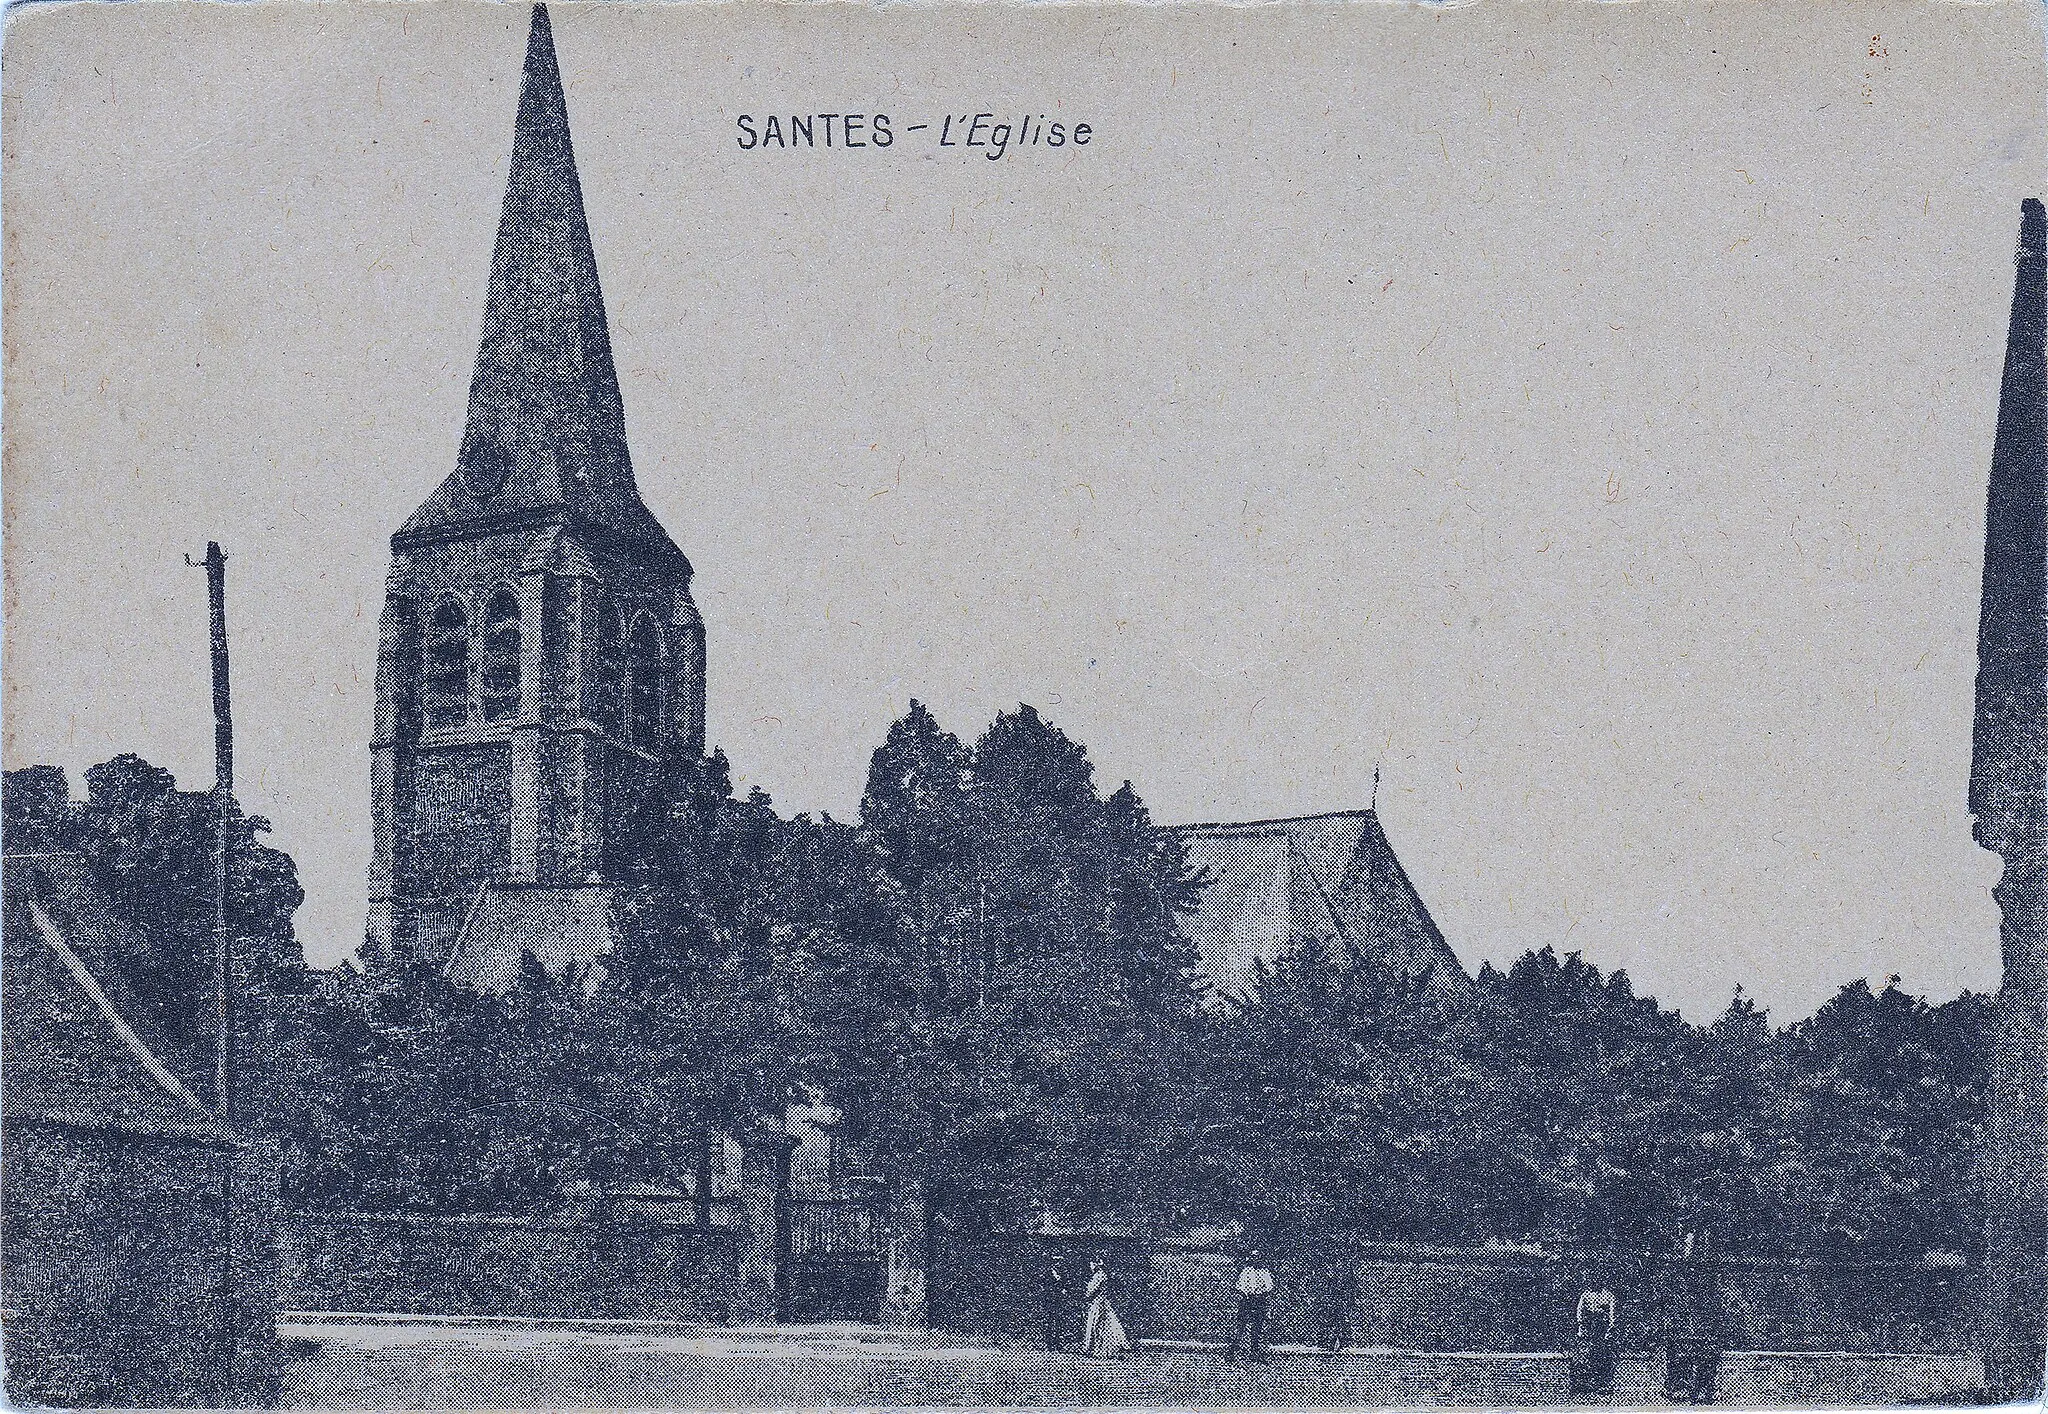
[541,660]
[540,657]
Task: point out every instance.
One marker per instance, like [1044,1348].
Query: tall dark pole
[216,565]
[223,799]
[2009,798]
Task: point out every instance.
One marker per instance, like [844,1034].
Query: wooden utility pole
[216,566]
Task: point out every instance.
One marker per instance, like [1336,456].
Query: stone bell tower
[540,658]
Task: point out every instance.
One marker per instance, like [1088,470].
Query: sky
[1580,412]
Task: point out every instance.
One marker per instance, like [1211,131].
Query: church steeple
[546,430]
[540,666]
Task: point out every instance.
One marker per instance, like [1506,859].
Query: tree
[1555,1105]
[626,1068]
[1594,1075]
[1551,1104]
[740,939]
[1346,1106]
[1887,1099]
[152,849]
[1736,1145]
[917,819]
[1027,998]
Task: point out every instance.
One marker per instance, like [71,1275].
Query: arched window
[643,684]
[448,665]
[501,660]
[602,668]
[399,668]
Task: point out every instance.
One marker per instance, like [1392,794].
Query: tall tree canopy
[1556,1106]
[1035,1036]
[984,974]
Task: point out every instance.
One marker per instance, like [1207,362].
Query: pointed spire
[546,427]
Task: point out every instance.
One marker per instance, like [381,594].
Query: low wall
[1445,1299]
[1029,1290]
[508,1266]
[114,1254]
[1481,1301]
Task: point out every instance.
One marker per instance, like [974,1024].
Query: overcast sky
[1583,412]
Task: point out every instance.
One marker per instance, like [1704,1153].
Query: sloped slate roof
[70,1048]
[546,431]
[1275,884]
[559,927]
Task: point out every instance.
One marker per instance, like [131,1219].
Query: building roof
[558,928]
[72,1044]
[1276,884]
[546,432]
[1273,886]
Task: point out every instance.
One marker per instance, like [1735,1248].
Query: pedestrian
[1694,1331]
[1254,1293]
[1102,1334]
[1340,1299]
[1593,1348]
[1053,1298]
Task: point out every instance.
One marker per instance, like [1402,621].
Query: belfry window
[401,663]
[643,685]
[601,685]
[448,665]
[501,657]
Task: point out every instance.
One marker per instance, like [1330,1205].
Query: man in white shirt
[1254,1292]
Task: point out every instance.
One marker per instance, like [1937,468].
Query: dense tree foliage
[1037,1036]
[1555,1106]
[698,1024]
[426,1096]
[985,977]
[1886,1105]
[1340,1100]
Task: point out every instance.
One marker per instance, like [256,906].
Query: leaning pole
[2009,800]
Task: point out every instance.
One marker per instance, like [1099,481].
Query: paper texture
[1561,430]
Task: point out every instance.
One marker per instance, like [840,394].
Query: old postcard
[759,705]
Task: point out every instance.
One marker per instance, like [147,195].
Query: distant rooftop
[558,927]
[1276,884]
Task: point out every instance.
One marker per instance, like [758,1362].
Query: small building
[119,1189]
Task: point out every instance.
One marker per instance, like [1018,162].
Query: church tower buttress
[540,659]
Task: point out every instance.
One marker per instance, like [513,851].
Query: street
[349,1362]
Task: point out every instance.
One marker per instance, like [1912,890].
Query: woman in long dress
[1102,1334]
[1593,1354]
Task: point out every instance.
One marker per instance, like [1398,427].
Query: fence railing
[834,1228]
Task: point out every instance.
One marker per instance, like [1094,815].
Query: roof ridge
[1399,878]
[53,938]
[1218,825]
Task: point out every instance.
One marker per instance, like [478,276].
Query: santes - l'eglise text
[989,134]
